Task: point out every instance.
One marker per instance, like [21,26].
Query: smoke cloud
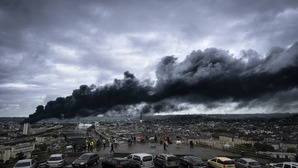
[204,77]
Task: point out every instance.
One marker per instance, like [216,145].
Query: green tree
[291,150]
[263,147]
[20,156]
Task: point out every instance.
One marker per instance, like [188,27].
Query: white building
[7,152]
[26,129]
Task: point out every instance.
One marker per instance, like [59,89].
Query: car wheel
[86,165]
[209,166]
[188,166]
[163,166]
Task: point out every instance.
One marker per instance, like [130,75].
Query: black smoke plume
[203,77]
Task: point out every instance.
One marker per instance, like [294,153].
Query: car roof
[248,159]
[56,155]
[167,155]
[24,160]
[89,153]
[141,154]
[119,158]
[223,158]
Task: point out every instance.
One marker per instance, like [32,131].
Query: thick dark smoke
[203,77]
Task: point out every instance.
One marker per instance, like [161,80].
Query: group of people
[89,145]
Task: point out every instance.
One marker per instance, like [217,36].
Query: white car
[284,165]
[247,163]
[26,163]
[140,160]
[56,160]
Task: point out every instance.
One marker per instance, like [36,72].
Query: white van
[140,160]
[284,165]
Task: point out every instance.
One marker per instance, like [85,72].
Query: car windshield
[254,163]
[84,157]
[147,158]
[124,162]
[172,158]
[195,159]
[229,162]
[22,164]
[54,158]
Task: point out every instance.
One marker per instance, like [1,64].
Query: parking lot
[178,150]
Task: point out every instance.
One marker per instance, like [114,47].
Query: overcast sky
[49,48]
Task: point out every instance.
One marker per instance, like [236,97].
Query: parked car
[221,162]
[192,161]
[115,163]
[247,163]
[166,160]
[140,160]
[284,165]
[86,159]
[26,163]
[56,160]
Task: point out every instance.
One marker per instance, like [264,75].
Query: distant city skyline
[194,57]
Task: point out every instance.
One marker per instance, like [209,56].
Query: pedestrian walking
[112,148]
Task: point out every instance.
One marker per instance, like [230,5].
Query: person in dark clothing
[112,148]
[155,139]
[97,143]
[74,147]
[191,144]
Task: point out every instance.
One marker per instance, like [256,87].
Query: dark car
[166,160]
[115,163]
[86,160]
[192,161]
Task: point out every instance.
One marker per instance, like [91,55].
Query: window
[114,161]
[129,156]
[243,162]
[278,165]
[219,161]
[254,163]
[287,166]
[229,162]
[147,158]
[213,160]
[22,164]
[172,158]
[162,157]
[138,158]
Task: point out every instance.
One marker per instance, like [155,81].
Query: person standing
[91,146]
[104,144]
[142,139]
[97,144]
[165,146]
[74,147]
